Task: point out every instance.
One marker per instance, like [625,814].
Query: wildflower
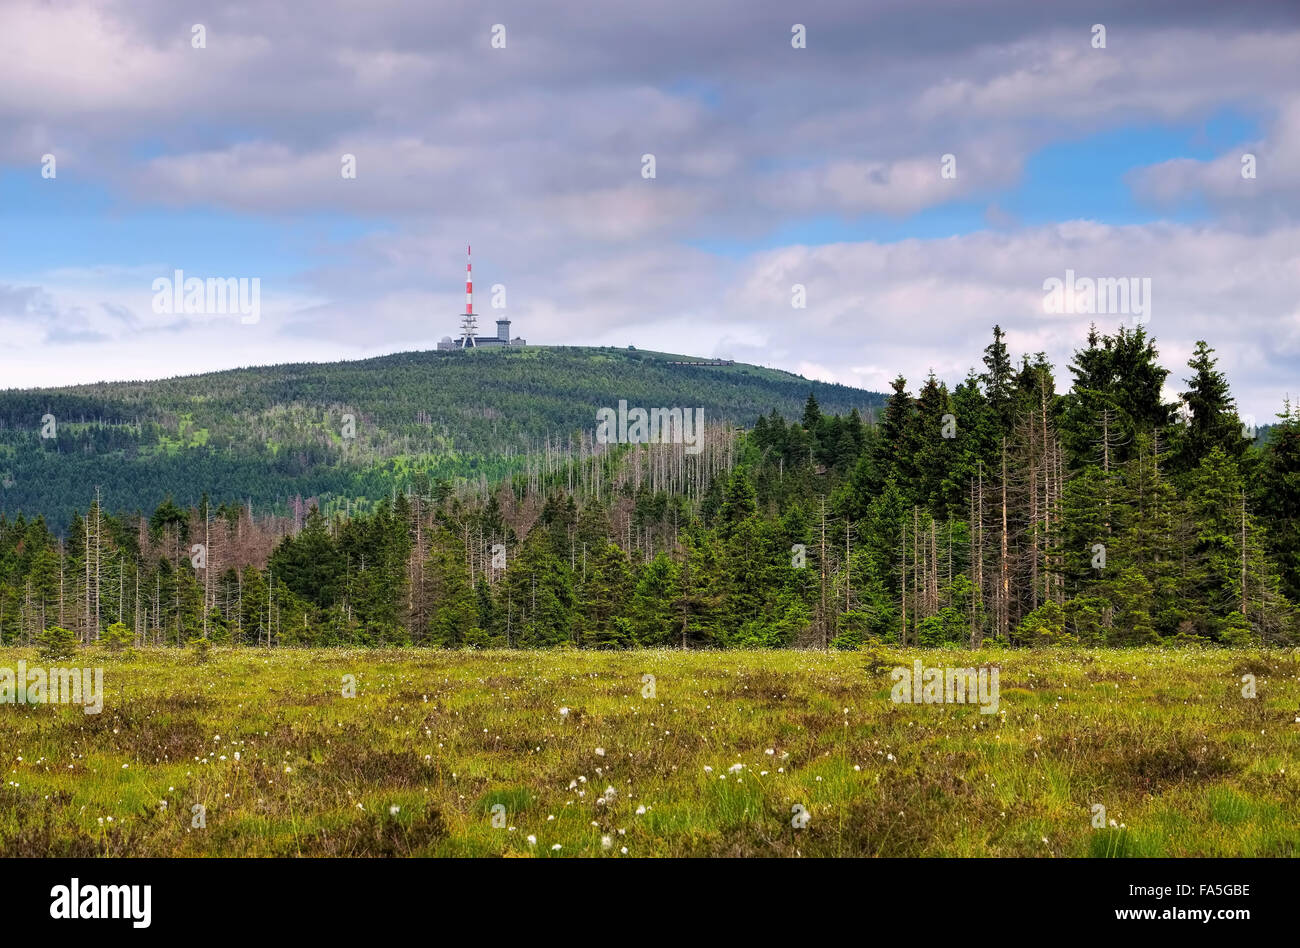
[600,752]
[394,810]
[532,840]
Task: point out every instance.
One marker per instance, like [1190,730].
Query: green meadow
[655,753]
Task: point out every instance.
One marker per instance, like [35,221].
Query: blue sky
[776,166]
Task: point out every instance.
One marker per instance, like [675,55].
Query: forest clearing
[254,752]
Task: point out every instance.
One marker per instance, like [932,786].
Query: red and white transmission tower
[468,323]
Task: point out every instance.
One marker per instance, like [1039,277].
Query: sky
[795,145]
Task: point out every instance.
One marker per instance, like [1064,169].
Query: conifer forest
[1015,508]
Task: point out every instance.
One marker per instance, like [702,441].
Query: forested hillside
[1003,509]
[347,433]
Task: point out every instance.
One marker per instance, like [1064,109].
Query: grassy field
[713,764]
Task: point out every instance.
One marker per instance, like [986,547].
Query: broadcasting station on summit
[469,338]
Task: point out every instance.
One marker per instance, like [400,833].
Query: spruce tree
[997,378]
[1212,420]
[1279,497]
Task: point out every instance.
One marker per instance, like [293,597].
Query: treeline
[345,433]
[1005,510]
[999,510]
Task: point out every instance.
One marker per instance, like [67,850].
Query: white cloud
[1220,180]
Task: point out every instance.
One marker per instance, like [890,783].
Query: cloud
[874,310]
[1273,191]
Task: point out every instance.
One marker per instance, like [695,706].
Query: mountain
[268,434]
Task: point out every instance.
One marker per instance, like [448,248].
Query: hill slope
[268,434]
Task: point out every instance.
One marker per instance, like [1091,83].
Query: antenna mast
[468,324]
